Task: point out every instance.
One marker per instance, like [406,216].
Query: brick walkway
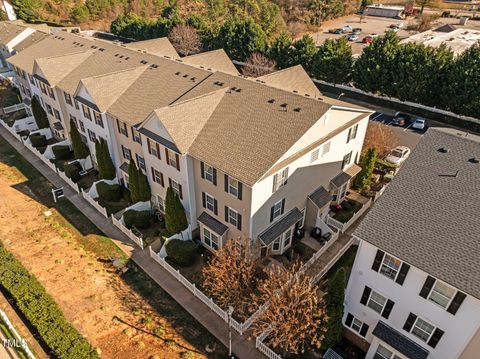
[241,346]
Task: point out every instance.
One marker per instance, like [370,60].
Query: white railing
[95,204]
[68,180]
[138,240]
[322,250]
[379,193]
[342,227]
[263,348]
[17,336]
[41,156]
[11,130]
[13,108]
[332,261]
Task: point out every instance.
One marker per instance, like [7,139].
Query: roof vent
[185,76]
[101,49]
[116,55]
[295,91]
[143,62]
[155,66]
[193,78]
[308,95]
[126,58]
[284,106]
[473,160]
[297,109]
[167,57]
[121,56]
[177,73]
[238,90]
[271,100]
[443,150]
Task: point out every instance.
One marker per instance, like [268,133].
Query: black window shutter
[378,260]
[271,213]
[215,206]
[364,329]
[180,191]
[456,303]
[365,295]
[202,169]
[239,222]
[436,336]
[283,205]
[403,273]
[204,201]
[349,319]
[177,161]
[409,323]
[387,309]
[214,176]
[427,287]
[240,190]
[226,214]
[226,183]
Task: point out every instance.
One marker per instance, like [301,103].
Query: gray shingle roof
[428,217]
[280,226]
[399,341]
[344,176]
[212,223]
[320,197]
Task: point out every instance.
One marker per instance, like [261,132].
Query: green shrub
[41,311]
[109,192]
[347,206]
[139,219]
[72,171]
[126,195]
[62,152]
[181,252]
[299,248]
[38,140]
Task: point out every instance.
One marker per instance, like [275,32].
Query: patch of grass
[345,261]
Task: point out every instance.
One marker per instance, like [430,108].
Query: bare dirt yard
[126,316]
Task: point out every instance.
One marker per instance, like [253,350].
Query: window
[122,128]
[280,179]
[49,109]
[276,244]
[125,179]
[352,133]
[277,210]
[160,203]
[209,173]
[68,98]
[153,148]
[141,162]
[326,148]
[209,202]
[210,239]
[376,302]
[57,114]
[43,88]
[356,325]
[136,136]
[92,136]
[233,217]
[30,78]
[233,186]
[177,188]
[50,93]
[384,353]
[287,238]
[442,294]
[346,159]
[82,127]
[98,118]
[390,266]
[422,329]
[86,112]
[314,155]
[76,104]
[157,177]
[127,154]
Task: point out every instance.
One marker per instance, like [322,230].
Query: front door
[263,252]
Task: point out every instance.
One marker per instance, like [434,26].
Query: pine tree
[39,114]
[80,149]
[144,193]
[280,50]
[334,299]
[104,160]
[364,178]
[133,181]
[333,61]
[175,217]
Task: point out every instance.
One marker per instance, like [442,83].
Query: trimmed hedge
[41,311]
[109,192]
[139,219]
[72,171]
[38,140]
[181,252]
[62,152]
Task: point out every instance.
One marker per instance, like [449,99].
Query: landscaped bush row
[38,140]
[181,252]
[72,171]
[62,152]
[41,311]
[109,192]
[139,219]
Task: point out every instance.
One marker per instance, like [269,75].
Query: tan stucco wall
[472,350]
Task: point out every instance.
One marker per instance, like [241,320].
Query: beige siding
[128,142]
[472,350]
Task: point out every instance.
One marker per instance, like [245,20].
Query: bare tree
[231,276]
[296,317]
[185,40]
[381,137]
[258,65]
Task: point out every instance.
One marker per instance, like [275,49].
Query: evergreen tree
[280,50]
[39,114]
[80,149]
[144,192]
[104,160]
[175,218]
[364,178]
[133,181]
[334,299]
[303,52]
[333,61]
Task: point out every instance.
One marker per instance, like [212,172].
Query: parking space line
[380,114]
[406,128]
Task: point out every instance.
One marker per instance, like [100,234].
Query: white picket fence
[14,108]
[239,327]
[342,227]
[11,130]
[320,251]
[69,181]
[19,339]
[263,348]
[95,204]
[42,157]
[332,261]
[138,240]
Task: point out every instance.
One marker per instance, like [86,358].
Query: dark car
[340,31]
[401,119]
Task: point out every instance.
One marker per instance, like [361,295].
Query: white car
[347,28]
[398,155]
[352,37]
[419,124]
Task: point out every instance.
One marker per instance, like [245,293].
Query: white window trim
[279,212]
[389,267]
[281,179]
[172,159]
[233,188]
[433,289]
[207,197]
[426,321]
[230,217]
[211,234]
[370,299]
[176,187]
[208,175]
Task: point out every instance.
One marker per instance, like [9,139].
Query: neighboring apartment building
[414,290]
[252,158]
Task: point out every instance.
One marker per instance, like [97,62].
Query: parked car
[367,39]
[347,28]
[356,30]
[399,25]
[339,31]
[398,155]
[352,37]
[401,119]
[419,123]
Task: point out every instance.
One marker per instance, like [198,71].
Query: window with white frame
[441,294]
[287,238]
[98,118]
[314,155]
[92,136]
[172,159]
[49,109]
[50,92]
[57,114]
[160,203]
[233,186]
[376,301]
[136,136]
[346,159]
[277,210]
[157,176]
[86,112]
[210,239]
[125,179]
[280,179]
[352,133]
[127,154]
[326,148]
[422,329]
[209,202]
[384,353]
[356,325]
[232,217]
[176,187]
[141,162]
[209,173]
[77,106]
[82,126]
[276,244]
[68,98]
[390,266]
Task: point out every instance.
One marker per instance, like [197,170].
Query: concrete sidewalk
[241,346]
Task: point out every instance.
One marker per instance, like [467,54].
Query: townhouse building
[414,290]
[254,158]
